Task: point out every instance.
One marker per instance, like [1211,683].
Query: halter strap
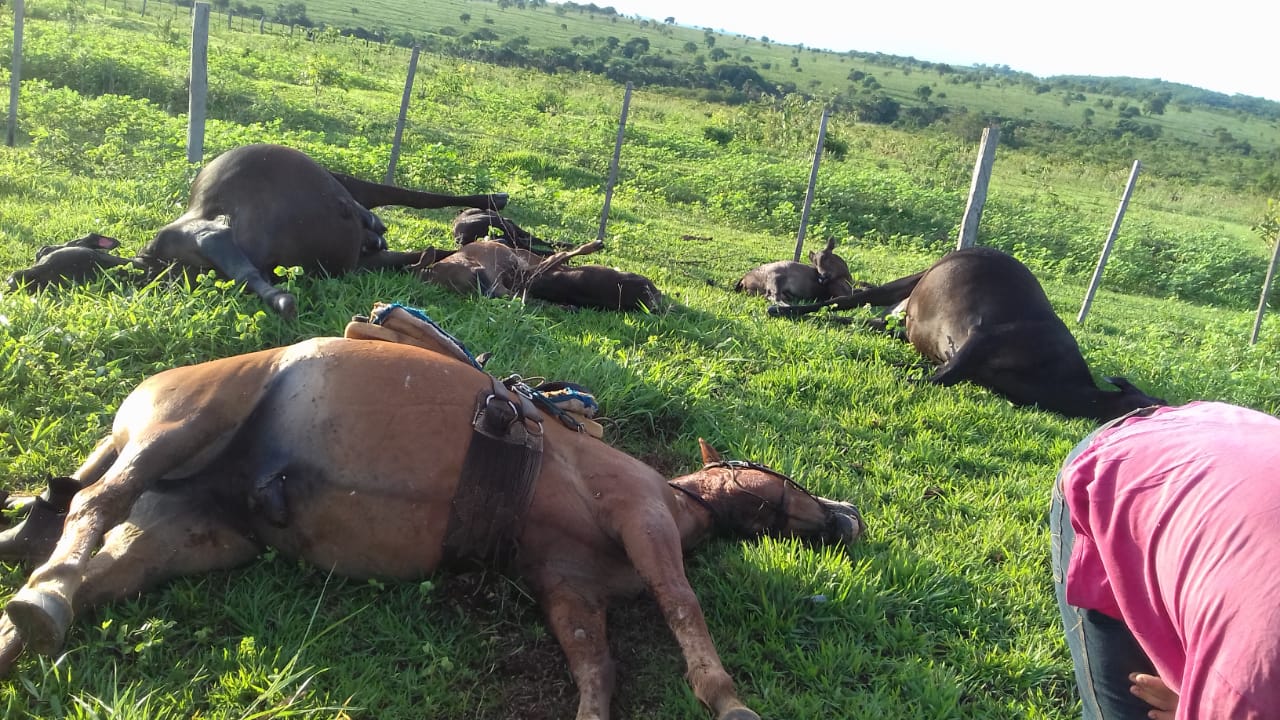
[779,506]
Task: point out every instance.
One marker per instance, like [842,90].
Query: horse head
[748,499]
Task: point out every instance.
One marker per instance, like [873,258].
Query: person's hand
[1152,690]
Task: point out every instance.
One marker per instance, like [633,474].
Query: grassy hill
[946,610]
[1191,132]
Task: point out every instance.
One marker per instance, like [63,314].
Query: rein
[779,506]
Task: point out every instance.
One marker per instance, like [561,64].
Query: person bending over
[1165,528]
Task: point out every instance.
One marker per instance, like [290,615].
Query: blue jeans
[1103,650]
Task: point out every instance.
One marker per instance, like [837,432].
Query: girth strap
[503,460]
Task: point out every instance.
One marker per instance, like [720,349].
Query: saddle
[504,455]
[570,403]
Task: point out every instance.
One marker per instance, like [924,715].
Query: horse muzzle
[846,524]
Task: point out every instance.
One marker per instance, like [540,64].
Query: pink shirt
[1177,521]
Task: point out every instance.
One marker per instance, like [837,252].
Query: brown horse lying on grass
[298,447]
[493,269]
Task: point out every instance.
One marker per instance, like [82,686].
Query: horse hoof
[41,618]
[33,539]
[284,304]
[739,714]
[10,646]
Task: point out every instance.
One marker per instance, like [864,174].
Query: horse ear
[709,454]
[106,243]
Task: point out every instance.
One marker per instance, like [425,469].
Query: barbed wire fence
[200,13]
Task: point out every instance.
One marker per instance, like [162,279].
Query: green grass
[945,610]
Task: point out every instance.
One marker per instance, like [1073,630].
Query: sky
[1229,46]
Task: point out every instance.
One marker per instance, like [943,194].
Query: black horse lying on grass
[982,316]
[251,210]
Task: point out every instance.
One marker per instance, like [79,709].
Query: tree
[691,47]
[717,54]
[635,46]
[294,13]
[670,21]
[923,92]
[710,40]
[878,109]
[465,18]
[1156,104]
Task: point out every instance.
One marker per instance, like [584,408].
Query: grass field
[945,610]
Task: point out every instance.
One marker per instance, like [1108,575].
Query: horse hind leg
[167,535]
[32,540]
[189,435]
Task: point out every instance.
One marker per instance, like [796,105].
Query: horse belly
[366,453]
[361,534]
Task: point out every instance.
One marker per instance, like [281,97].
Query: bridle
[779,506]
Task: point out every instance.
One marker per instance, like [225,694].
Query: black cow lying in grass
[251,210]
[825,277]
[983,317]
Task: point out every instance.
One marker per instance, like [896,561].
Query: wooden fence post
[15,74]
[978,187]
[613,166]
[1266,290]
[404,111]
[199,80]
[144,8]
[813,180]
[1111,239]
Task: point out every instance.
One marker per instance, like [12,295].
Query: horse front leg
[653,545]
[577,619]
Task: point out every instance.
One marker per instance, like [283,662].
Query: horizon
[1221,51]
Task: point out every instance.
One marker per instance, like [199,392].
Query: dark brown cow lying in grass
[494,269]
[825,277]
[251,210]
[983,317]
[207,464]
